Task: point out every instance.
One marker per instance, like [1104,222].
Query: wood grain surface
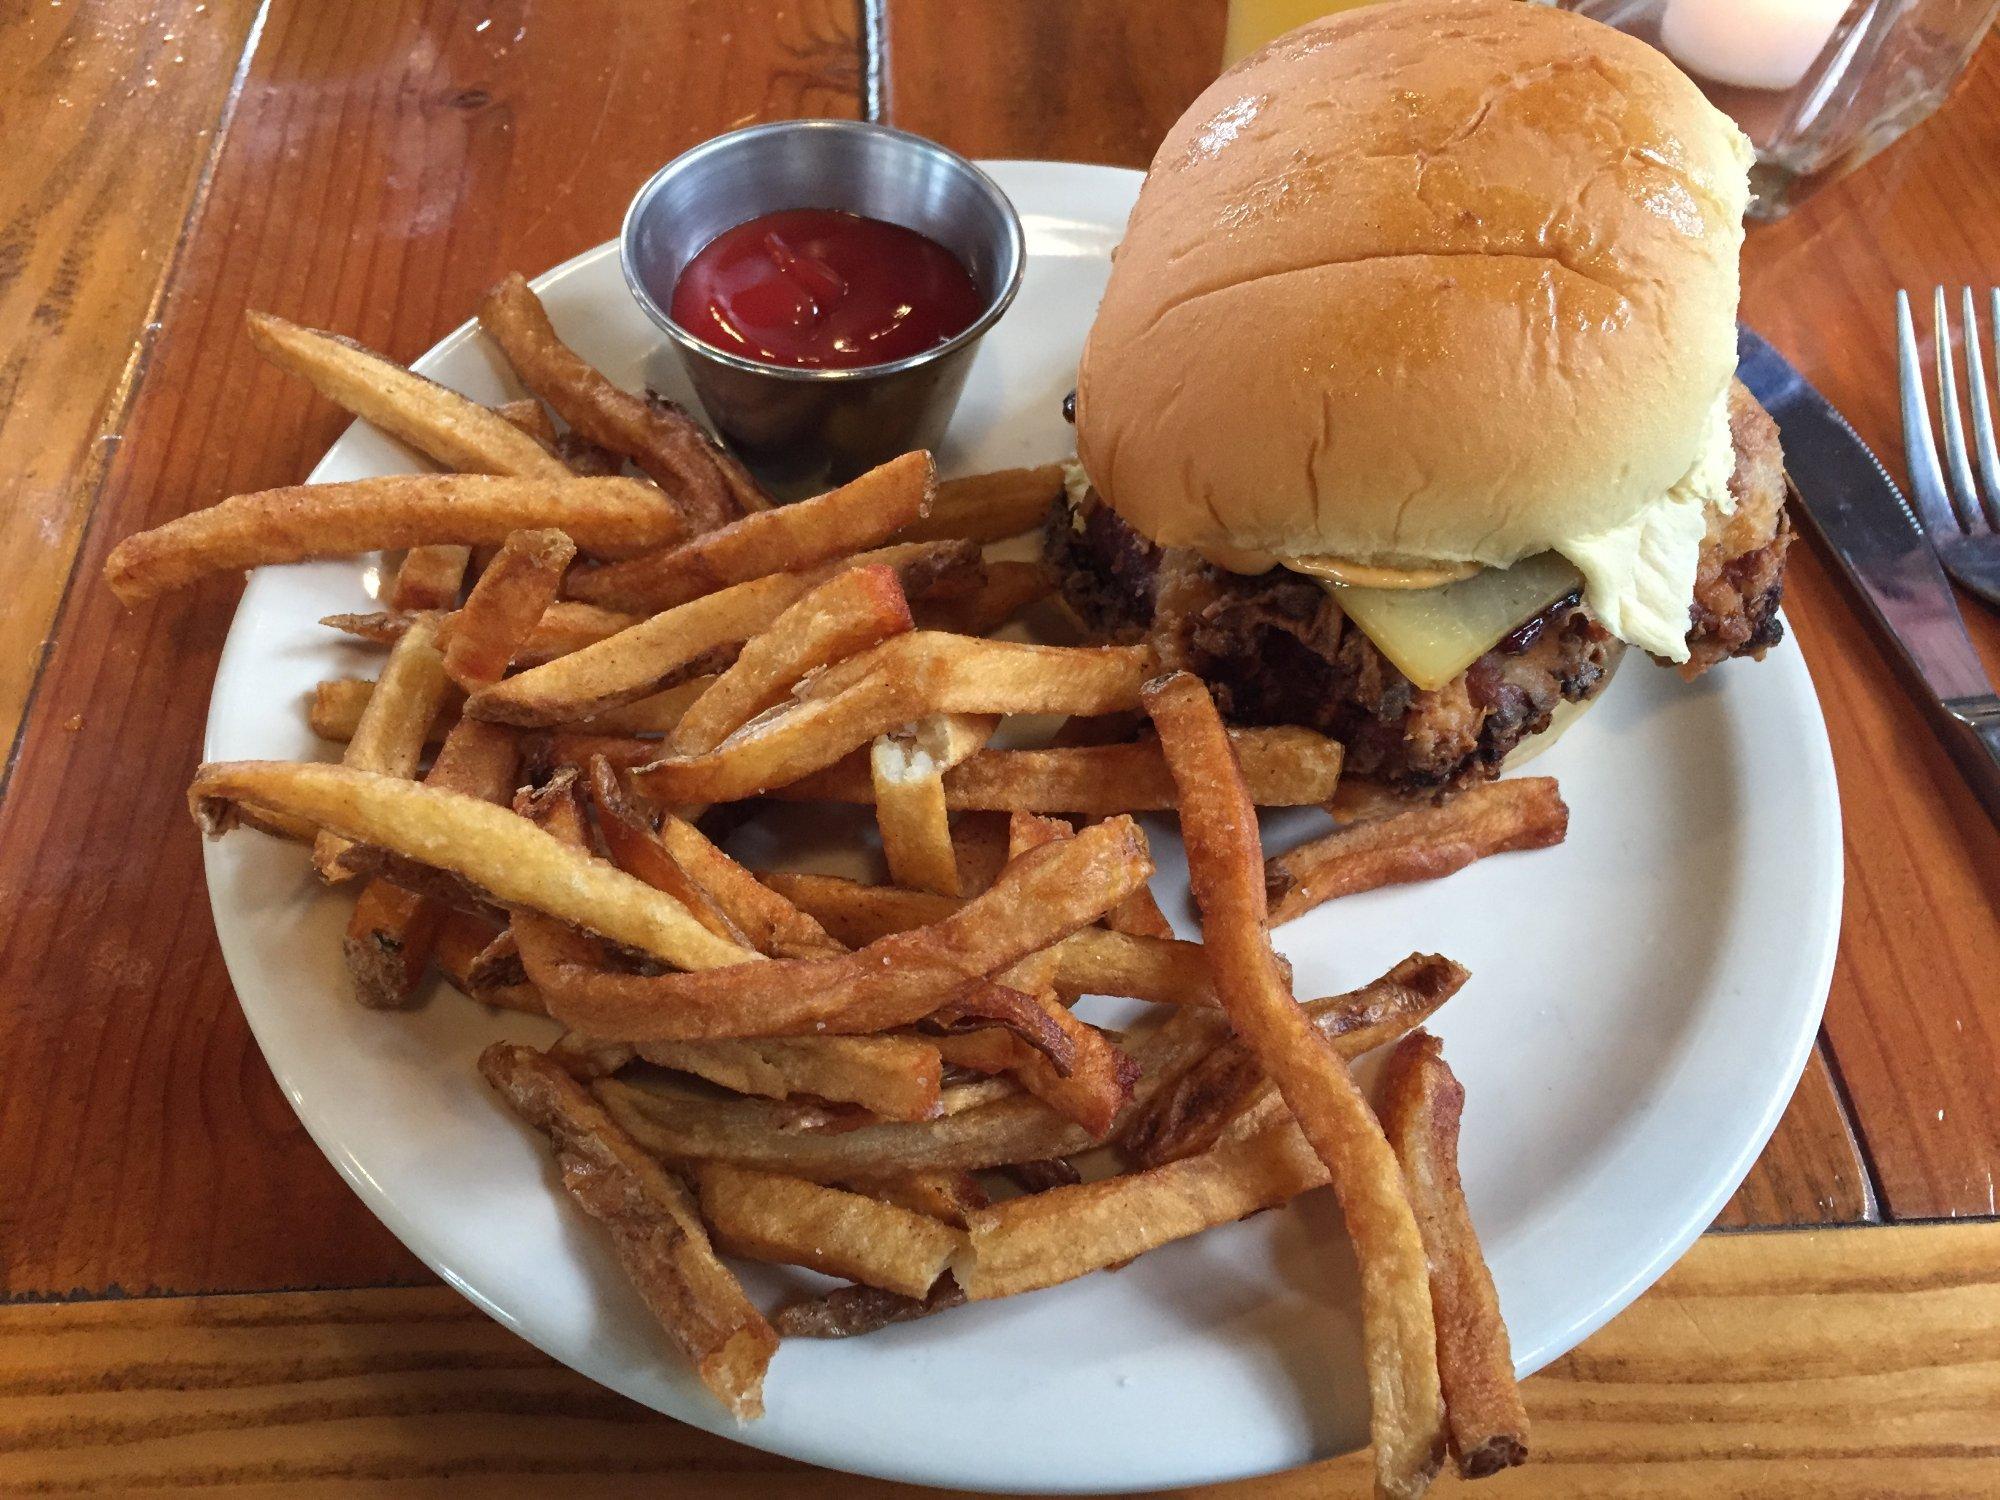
[1877,1352]
[1914,1019]
[379,169]
[371,171]
[1063,80]
[110,114]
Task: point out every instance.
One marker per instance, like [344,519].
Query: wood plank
[1914,1019]
[1812,1171]
[1071,80]
[1101,80]
[1860,1362]
[379,171]
[111,113]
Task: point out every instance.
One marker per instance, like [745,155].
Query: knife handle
[1979,717]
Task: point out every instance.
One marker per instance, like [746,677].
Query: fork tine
[1982,407]
[1964,494]
[1926,474]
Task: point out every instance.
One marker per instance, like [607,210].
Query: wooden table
[197,1299]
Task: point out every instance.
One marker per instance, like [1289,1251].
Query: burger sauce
[813,288]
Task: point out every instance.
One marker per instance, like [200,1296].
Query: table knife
[1846,495]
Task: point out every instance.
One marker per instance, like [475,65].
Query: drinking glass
[1254,22]
[1819,86]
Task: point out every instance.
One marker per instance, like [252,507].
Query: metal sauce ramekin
[802,430]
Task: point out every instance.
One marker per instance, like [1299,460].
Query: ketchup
[818,289]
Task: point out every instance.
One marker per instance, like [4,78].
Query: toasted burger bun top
[1431,281]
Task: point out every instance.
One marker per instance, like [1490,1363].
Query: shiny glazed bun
[1434,280]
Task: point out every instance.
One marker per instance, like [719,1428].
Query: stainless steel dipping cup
[804,430]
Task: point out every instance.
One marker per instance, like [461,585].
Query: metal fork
[1963,523]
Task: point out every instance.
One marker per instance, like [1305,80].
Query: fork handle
[1979,717]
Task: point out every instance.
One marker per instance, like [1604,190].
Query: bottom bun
[1565,714]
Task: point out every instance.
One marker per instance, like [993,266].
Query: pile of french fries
[605,648]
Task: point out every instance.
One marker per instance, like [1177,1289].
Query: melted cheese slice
[1638,579]
[1432,635]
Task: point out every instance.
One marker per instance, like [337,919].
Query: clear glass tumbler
[1819,86]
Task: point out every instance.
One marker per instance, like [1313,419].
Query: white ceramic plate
[1642,1002]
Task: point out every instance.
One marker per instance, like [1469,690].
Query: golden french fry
[533,418]
[900,680]
[1091,1091]
[585,457]
[849,1311]
[497,964]
[584,1059]
[563,628]
[640,658]
[979,841]
[658,437]
[769,922]
[982,1125]
[579,749]
[1097,1081]
[505,606]
[388,944]
[898,980]
[335,707]
[1361,799]
[1044,1239]
[860,514]
[637,850]
[637,660]
[769,1216]
[945,1196]
[656,713]
[392,932]
[1284,767]
[680,1128]
[389,740]
[1424,843]
[1093,961]
[612,517]
[1226,868]
[461,941]
[430,577]
[908,769]
[567,626]
[488,847]
[1191,1113]
[1010,587]
[1139,915]
[850,612]
[989,507]
[1421,1105]
[892,1077]
[910,815]
[438,422]
[654,1224]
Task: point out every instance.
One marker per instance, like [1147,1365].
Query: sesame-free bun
[1432,280]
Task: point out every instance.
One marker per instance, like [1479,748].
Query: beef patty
[1276,649]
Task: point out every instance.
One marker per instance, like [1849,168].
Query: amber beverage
[1254,22]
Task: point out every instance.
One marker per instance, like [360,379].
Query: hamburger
[1411,402]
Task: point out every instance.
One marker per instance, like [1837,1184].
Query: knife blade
[1850,500]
